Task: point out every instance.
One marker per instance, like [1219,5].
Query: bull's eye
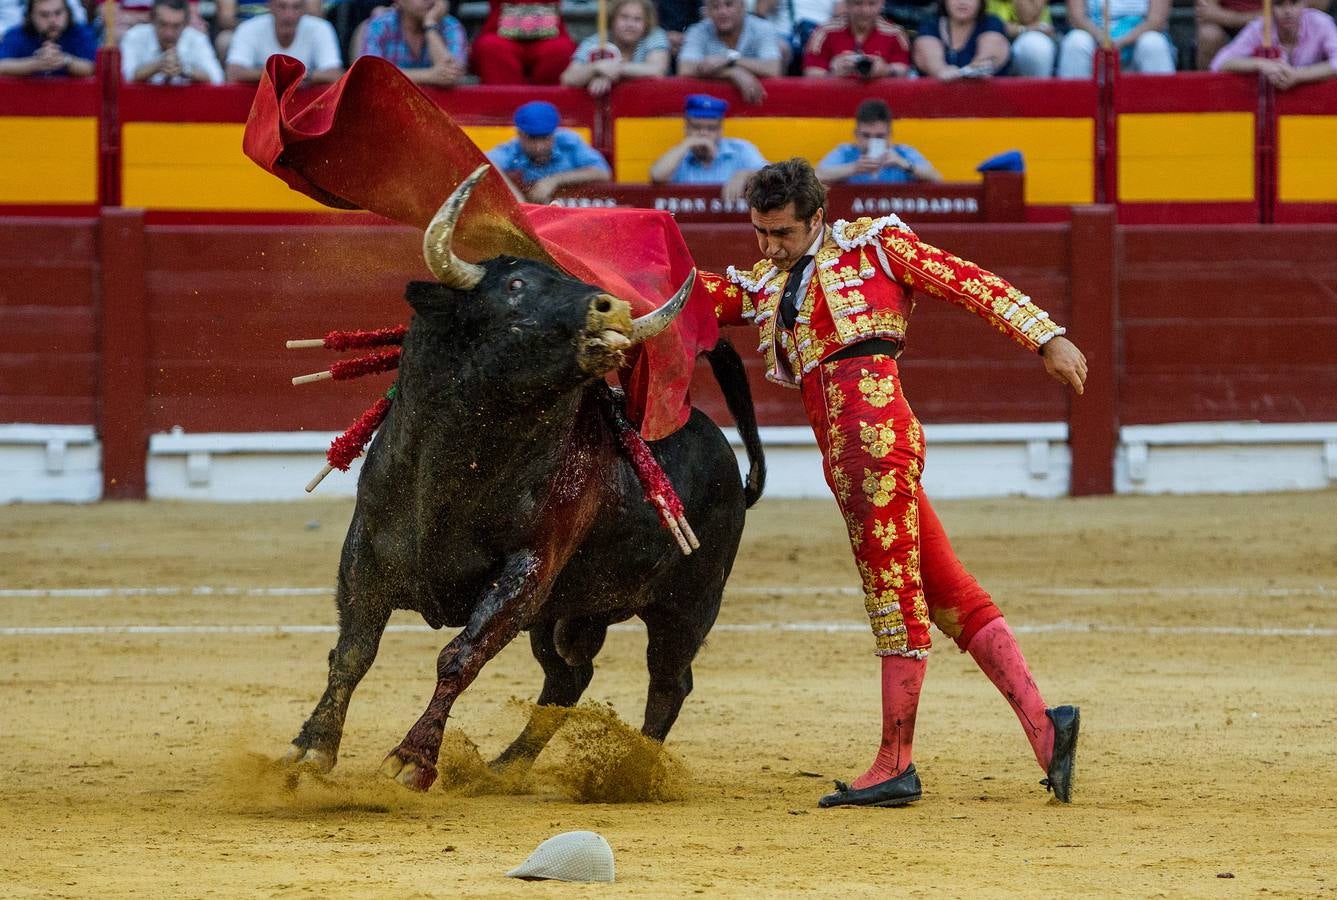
[516,284]
[603,305]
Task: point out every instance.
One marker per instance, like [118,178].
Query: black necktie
[789,300]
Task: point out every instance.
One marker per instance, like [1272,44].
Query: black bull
[494,497]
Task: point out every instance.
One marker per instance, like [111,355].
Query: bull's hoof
[309,758]
[415,775]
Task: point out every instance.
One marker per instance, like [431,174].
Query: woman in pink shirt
[1306,38]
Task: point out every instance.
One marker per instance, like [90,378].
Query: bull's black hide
[494,497]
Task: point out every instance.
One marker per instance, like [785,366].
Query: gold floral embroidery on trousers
[885,532]
[877,391]
[877,439]
[878,488]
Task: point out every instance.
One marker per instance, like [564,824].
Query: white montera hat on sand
[570,856]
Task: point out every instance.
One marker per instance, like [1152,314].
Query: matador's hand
[1064,362]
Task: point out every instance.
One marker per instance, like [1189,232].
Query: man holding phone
[872,158]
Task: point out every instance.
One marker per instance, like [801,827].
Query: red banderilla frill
[381,361]
[654,482]
[349,445]
[353,340]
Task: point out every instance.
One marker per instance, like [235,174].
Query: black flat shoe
[1066,719]
[904,788]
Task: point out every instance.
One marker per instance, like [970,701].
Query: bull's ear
[427,297]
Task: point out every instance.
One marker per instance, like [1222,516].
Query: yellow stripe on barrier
[200,166]
[1306,158]
[1059,153]
[48,160]
[1186,156]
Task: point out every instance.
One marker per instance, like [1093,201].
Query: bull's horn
[448,268]
[650,324]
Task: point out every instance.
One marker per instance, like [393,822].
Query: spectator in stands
[873,158]
[638,49]
[542,158]
[1218,21]
[1137,29]
[229,13]
[523,43]
[12,13]
[704,155]
[48,43]
[426,43]
[284,29]
[164,51]
[675,17]
[129,13]
[860,45]
[795,21]
[1306,37]
[731,45]
[960,40]
[1031,31]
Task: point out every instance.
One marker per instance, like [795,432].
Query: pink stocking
[902,677]
[996,652]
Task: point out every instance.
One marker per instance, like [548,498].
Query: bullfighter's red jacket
[847,302]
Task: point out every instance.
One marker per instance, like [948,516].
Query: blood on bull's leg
[361,625]
[564,681]
[497,619]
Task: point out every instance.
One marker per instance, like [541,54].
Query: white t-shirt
[140,46]
[255,41]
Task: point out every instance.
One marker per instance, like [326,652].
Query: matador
[831,303]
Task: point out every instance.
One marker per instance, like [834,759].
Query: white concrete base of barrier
[49,464]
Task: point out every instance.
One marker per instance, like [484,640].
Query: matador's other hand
[1065,363]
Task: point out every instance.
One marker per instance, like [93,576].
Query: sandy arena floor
[1197,634]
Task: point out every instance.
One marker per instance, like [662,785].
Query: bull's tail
[732,377]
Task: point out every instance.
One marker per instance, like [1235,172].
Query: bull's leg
[671,647]
[360,628]
[564,680]
[496,620]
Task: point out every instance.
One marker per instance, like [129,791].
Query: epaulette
[756,279]
[864,230]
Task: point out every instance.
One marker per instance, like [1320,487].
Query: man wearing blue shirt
[872,158]
[542,158]
[704,155]
[48,43]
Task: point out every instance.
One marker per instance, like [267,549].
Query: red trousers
[499,60]
[873,455]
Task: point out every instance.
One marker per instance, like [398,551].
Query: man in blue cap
[542,158]
[704,155]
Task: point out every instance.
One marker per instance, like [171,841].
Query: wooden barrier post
[1004,197]
[1106,73]
[108,72]
[122,401]
[1093,418]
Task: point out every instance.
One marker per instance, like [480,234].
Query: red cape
[374,141]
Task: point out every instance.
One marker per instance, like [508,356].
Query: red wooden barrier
[123,397]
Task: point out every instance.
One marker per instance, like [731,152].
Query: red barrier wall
[140,328]
[48,321]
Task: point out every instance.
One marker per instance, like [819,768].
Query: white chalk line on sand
[748,590]
[807,627]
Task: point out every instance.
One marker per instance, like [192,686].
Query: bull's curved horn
[448,268]
[650,324]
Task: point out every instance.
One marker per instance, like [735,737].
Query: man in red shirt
[861,44]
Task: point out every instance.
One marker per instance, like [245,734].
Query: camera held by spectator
[863,66]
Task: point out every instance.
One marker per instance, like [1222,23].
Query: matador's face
[783,237]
